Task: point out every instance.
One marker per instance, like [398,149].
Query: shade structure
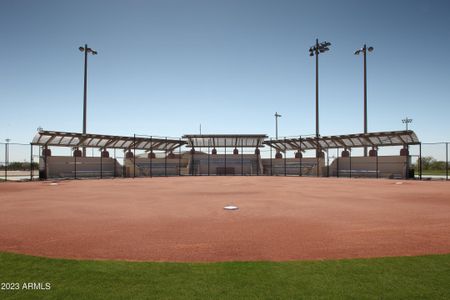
[373,139]
[74,139]
[225,140]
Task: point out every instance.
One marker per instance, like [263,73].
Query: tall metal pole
[85,94]
[317,90]
[317,107]
[315,51]
[365,95]
[276,124]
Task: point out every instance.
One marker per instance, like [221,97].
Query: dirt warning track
[182,218]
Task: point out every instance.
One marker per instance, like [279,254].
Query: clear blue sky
[164,67]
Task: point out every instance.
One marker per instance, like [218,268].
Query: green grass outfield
[420,277]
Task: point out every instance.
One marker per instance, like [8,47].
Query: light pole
[276,124]
[318,48]
[406,121]
[364,50]
[86,51]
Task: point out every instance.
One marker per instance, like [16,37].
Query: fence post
[165,161]
[420,161]
[337,162]
[179,159]
[45,164]
[285,155]
[407,163]
[101,163]
[225,143]
[300,152]
[74,165]
[6,162]
[242,158]
[115,166]
[134,155]
[257,162]
[328,163]
[209,153]
[446,161]
[376,161]
[350,161]
[31,162]
[151,157]
[271,169]
[198,170]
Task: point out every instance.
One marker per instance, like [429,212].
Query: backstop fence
[19,161]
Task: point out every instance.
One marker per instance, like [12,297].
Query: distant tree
[430,163]
[426,162]
[20,166]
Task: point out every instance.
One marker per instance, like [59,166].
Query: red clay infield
[182,219]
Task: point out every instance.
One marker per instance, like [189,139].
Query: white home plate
[399,182]
[231,207]
[53,183]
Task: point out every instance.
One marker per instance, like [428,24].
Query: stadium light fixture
[364,50]
[86,51]
[406,121]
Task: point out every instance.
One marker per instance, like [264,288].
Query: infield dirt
[182,218]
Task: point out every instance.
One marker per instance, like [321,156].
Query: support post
[31,162]
[199,163]
[271,169]
[407,163]
[350,160]
[377,170]
[75,166]
[151,158]
[209,155]
[45,164]
[101,163]
[285,155]
[225,141]
[165,161]
[337,162]
[317,161]
[115,164]
[179,159]
[328,163]
[6,162]
[301,155]
[257,163]
[134,155]
[420,161]
[242,158]
[446,161]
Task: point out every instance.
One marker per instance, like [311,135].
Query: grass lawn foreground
[419,277]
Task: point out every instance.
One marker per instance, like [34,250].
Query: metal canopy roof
[372,139]
[225,140]
[73,139]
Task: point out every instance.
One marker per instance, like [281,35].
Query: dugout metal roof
[372,139]
[225,140]
[74,139]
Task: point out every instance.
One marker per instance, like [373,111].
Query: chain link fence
[19,161]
